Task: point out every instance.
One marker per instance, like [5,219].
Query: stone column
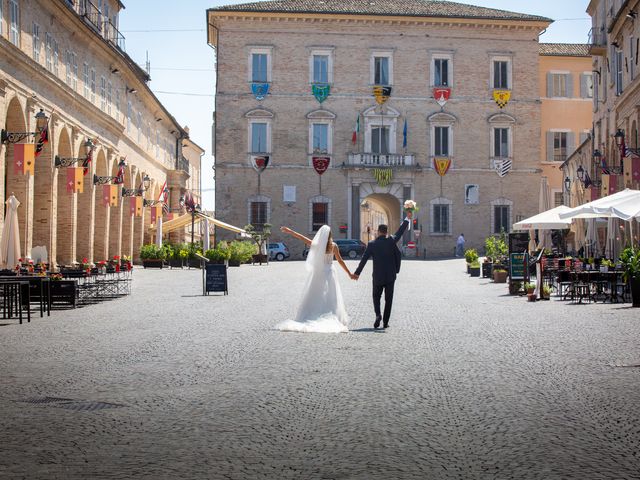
[355,212]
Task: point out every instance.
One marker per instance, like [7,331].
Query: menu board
[518,242]
[215,278]
[517,265]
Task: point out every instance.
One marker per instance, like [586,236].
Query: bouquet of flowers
[411,206]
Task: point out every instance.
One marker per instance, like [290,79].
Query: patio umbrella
[610,250]
[205,235]
[601,207]
[579,237]
[592,246]
[10,243]
[159,231]
[549,220]
[627,209]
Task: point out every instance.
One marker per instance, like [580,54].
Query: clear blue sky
[182,64]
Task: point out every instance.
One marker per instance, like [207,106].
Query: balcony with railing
[182,164]
[597,41]
[377,160]
[100,23]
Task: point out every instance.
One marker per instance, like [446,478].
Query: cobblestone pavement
[467,383]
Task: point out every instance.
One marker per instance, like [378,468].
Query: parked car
[351,248]
[278,251]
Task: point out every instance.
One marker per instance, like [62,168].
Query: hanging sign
[320,164]
[23,158]
[75,181]
[260,162]
[502,166]
[321,92]
[260,90]
[383,176]
[382,94]
[441,165]
[501,97]
[110,195]
[135,206]
[441,95]
[156,213]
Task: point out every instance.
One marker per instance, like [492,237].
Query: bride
[322,309]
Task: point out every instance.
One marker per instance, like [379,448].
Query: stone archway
[115,219]
[16,183]
[127,215]
[65,236]
[376,209]
[44,212]
[138,226]
[87,204]
[101,214]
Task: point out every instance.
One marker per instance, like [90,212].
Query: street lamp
[104,180]
[68,161]
[567,184]
[15,137]
[137,192]
[580,173]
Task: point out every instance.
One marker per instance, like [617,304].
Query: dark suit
[386,265]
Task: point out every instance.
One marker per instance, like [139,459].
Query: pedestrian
[460,245]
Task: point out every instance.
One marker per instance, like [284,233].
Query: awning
[603,207]
[185,220]
[549,220]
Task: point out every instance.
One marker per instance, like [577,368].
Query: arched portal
[44,212]
[127,215]
[87,204]
[101,224]
[115,221]
[377,209]
[138,225]
[66,206]
[15,182]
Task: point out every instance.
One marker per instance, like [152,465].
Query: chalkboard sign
[518,242]
[516,265]
[215,278]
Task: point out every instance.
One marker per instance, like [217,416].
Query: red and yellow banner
[632,172]
[75,180]
[135,206]
[441,165]
[110,195]
[24,158]
[501,97]
[156,212]
[604,188]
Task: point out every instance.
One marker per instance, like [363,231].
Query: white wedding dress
[322,308]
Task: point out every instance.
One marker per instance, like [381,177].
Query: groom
[386,264]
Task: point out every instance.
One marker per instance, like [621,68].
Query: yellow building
[68,60]
[566,92]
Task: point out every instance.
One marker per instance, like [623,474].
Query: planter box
[63,291]
[234,263]
[474,271]
[260,258]
[634,286]
[500,276]
[194,263]
[152,263]
[176,263]
[486,269]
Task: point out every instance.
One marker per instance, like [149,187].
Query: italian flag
[356,131]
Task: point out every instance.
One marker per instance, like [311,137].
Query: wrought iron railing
[559,157]
[182,164]
[93,16]
[597,37]
[381,159]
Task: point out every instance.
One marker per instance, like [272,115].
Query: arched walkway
[115,220]
[87,205]
[376,209]
[66,206]
[138,225]
[101,226]
[44,211]
[16,183]
[127,215]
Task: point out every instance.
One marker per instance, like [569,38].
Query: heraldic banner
[502,97]
[441,165]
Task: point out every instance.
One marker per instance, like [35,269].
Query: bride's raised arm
[336,253]
[295,234]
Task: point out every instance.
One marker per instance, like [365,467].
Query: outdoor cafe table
[601,282]
[15,291]
[39,288]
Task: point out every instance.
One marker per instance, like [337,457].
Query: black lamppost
[567,189]
[104,180]
[597,163]
[68,161]
[137,192]
[15,137]
[619,136]
[580,173]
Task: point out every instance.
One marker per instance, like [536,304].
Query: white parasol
[10,243]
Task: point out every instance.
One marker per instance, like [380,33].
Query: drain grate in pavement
[71,404]
[88,406]
[40,400]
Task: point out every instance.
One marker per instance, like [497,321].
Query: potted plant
[192,260]
[546,292]
[173,255]
[152,256]
[474,268]
[499,274]
[470,255]
[260,236]
[630,261]
[220,254]
[530,288]
[241,252]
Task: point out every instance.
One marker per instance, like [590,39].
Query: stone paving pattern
[467,383]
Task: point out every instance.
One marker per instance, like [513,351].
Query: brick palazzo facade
[412,47]
[68,58]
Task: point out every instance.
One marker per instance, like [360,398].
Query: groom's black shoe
[385,325]
[376,324]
